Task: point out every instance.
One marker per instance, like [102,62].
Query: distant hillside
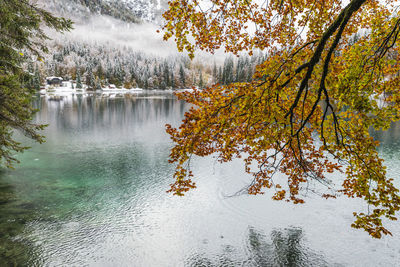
[116,42]
[133,11]
[131,23]
[99,65]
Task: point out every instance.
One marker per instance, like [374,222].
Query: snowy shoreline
[56,89]
[57,93]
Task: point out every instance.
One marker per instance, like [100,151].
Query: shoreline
[108,92]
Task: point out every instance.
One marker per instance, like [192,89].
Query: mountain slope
[133,11]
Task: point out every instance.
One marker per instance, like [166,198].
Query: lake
[95,195]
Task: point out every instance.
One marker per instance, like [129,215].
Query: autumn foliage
[331,74]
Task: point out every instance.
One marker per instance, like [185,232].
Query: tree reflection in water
[284,248]
[14,215]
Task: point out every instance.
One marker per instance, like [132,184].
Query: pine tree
[36,80]
[21,30]
[97,84]
[227,75]
[220,75]
[193,79]
[155,71]
[215,73]
[100,72]
[182,76]
[55,70]
[172,81]
[90,82]
[201,82]
[30,77]
[78,79]
[250,74]
[166,75]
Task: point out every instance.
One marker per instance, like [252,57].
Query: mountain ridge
[131,11]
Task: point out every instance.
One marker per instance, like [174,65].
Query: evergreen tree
[120,75]
[172,81]
[36,80]
[90,81]
[227,75]
[21,30]
[108,71]
[166,75]
[239,70]
[182,76]
[97,84]
[215,73]
[55,73]
[155,71]
[29,81]
[201,82]
[78,79]
[250,74]
[220,75]
[100,72]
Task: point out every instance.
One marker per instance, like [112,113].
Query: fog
[100,29]
[141,37]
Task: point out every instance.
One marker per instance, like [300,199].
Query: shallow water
[94,195]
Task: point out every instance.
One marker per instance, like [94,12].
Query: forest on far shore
[98,65]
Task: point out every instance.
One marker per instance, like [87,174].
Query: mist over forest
[116,42]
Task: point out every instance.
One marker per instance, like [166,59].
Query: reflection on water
[14,216]
[97,157]
[283,248]
[94,195]
[286,249]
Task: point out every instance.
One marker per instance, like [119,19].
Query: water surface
[94,195]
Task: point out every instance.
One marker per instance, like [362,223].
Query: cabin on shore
[55,81]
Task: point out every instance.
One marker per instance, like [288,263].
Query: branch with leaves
[310,107]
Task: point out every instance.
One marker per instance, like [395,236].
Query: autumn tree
[309,108]
[21,33]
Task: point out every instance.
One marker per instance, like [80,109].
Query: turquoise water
[94,195]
